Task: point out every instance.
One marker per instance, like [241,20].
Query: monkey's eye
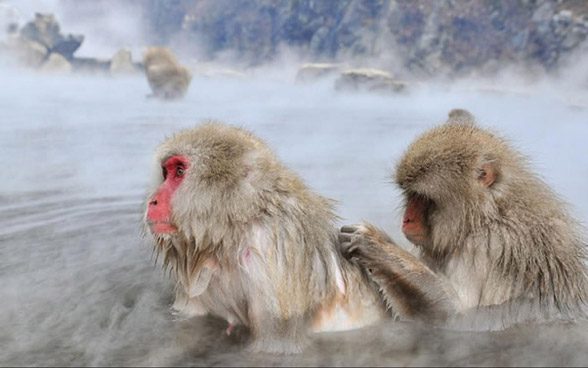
[180,171]
[164,172]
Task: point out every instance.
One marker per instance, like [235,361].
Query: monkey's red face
[415,222]
[159,209]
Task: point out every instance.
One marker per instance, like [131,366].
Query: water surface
[77,281]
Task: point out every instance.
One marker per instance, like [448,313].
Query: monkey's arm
[408,286]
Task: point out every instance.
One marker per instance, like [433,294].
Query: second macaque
[492,232]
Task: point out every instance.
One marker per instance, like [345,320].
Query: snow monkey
[248,241]
[167,78]
[490,229]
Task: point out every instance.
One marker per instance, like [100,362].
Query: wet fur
[511,244]
[407,285]
[268,241]
[167,78]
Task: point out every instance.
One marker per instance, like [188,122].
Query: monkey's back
[274,239]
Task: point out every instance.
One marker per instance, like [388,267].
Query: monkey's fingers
[348,248]
[344,238]
[349,229]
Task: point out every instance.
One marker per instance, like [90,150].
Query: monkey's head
[210,183]
[452,177]
[158,55]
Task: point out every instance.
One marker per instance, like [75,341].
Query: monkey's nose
[153,202]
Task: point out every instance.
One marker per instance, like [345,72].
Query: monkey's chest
[225,298]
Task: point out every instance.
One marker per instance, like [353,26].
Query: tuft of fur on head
[461,116]
[531,239]
[159,55]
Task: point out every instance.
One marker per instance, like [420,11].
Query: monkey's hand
[408,286]
[364,243]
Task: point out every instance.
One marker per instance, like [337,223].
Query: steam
[107,27]
[76,279]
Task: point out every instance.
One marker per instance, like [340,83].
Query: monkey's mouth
[162,227]
[417,239]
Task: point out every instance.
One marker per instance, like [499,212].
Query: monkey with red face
[247,241]
[491,231]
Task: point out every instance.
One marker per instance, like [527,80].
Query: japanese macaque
[247,241]
[167,78]
[491,230]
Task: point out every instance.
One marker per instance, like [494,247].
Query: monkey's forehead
[459,139]
[212,139]
[449,148]
[158,52]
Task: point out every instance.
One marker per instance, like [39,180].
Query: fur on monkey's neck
[182,256]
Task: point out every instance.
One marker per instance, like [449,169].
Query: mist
[106,28]
[77,276]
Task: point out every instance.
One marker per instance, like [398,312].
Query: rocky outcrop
[465,36]
[9,17]
[39,44]
[420,37]
[213,70]
[91,65]
[450,37]
[122,63]
[56,63]
[45,30]
[370,80]
[311,72]
[23,52]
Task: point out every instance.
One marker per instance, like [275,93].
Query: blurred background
[337,88]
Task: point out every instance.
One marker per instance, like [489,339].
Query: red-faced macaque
[489,228]
[167,78]
[249,242]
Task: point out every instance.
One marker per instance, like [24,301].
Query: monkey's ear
[487,174]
